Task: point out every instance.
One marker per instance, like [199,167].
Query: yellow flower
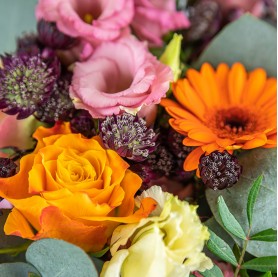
[71,188]
[223,109]
[168,243]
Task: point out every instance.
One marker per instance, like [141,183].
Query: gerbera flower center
[234,122]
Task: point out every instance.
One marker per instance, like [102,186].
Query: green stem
[242,253]
[15,250]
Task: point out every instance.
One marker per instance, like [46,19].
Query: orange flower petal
[208,74]
[208,148]
[165,102]
[224,142]
[191,142]
[222,73]
[185,94]
[236,83]
[200,86]
[54,224]
[17,186]
[202,135]
[269,92]
[254,86]
[258,141]
[147,206]
[180,113]
[17,225]
[192,160]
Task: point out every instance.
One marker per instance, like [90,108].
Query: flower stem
[242,253]
[15,250]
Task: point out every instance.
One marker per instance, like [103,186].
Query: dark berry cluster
[219,170]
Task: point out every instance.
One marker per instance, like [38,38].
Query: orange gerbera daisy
[223,109]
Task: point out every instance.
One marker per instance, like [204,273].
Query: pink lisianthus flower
[94,21]
[119,76]
[154,18]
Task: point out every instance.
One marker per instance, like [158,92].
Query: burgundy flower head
[25,83]
[128,135]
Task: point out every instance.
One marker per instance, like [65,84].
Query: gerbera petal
[269,92]
[236,82]
[208,148]
[258,141]
[203,135]
[192,160]
[191,142]
[185,94]
[254,86]
[208,74]
[200,86]
[224,142]
[165,102]
[222,73]
[181,113]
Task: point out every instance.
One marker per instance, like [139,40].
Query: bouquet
[138,138]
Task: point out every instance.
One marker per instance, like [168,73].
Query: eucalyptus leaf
[248,40]
[252,198]
[266,235]
[228,220]
[215,271]
[254,162]
[98,264]
[18,269]
[262,264]
[221,249]
[54,258]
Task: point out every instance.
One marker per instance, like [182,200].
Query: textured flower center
[234,122]
[88,10]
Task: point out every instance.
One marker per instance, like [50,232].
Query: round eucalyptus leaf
[54,258]
[17,270]
[248,40]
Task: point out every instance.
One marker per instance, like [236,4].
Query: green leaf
[32,274]
[237,252]
[221,249]
[254,162]
[267,274]
[228,220]
[54,258]
[17,269]
[245,41]
[266,235]
[100,253]
[215,271]
[262,264]
[252,198]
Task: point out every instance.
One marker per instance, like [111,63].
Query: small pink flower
[154,18]
[95,21]
[118,76]
[17,133]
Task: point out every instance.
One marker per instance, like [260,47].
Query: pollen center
[234,122]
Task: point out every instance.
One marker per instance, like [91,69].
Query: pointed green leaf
[228,220]
[266,235]
[221,249]
[252,197]
[262,264]
[215,271]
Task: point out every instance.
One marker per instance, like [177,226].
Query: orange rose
[73,189]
